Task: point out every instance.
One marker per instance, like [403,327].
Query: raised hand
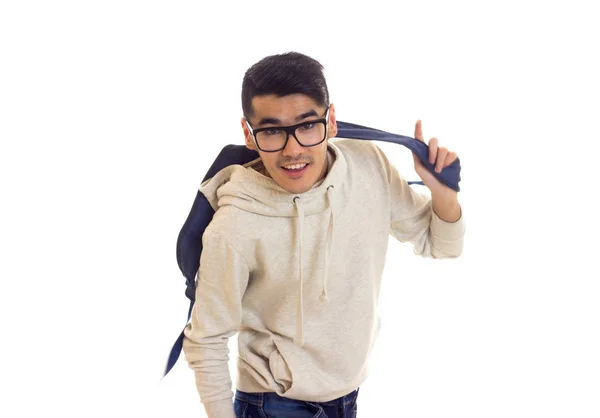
[445,201]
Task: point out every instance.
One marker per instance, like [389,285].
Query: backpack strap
[189,241]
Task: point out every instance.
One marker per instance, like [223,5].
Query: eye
[272,131]
[307,126]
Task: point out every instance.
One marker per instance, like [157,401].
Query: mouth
[295,170]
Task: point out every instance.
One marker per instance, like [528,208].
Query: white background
[111,112]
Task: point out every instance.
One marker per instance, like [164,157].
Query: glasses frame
[290,130]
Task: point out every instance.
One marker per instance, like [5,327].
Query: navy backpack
[189,241]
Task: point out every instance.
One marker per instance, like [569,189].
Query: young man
[294,255]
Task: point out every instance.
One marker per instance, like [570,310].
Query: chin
[295,186]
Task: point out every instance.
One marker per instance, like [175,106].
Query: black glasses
[308,134]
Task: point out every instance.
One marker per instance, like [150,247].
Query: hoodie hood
[249,190]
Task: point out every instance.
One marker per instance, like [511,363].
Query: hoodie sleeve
[414,220]
[216,316]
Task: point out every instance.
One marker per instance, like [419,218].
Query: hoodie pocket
[280,369]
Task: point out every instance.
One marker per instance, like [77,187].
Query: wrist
[446,206]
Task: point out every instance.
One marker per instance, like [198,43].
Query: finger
[450,159]
[441,159]
[419,131]
[433,150]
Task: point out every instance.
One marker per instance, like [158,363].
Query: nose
[293,147]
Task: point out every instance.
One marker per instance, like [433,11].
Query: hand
[439,156]
[444,199]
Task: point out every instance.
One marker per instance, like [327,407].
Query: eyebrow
[275,121]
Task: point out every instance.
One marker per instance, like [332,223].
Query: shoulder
[354,146]
[234,225]
[360,149]
[363,155]
[228,220]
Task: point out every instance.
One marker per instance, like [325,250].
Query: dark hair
[284,74]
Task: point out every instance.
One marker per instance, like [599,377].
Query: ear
[248,136]
[332,125]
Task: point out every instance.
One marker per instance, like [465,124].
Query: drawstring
[299,340]
[300,315]
[328,242]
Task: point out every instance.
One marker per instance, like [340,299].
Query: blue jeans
[271,405]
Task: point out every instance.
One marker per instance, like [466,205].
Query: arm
[435,226]
[216,316]
[444,199]
[414,218]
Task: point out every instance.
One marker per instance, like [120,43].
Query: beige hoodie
[298,276]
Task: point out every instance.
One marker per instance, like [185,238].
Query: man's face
[286,167]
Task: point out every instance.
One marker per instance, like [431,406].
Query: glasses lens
[271,139]
[308,134]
